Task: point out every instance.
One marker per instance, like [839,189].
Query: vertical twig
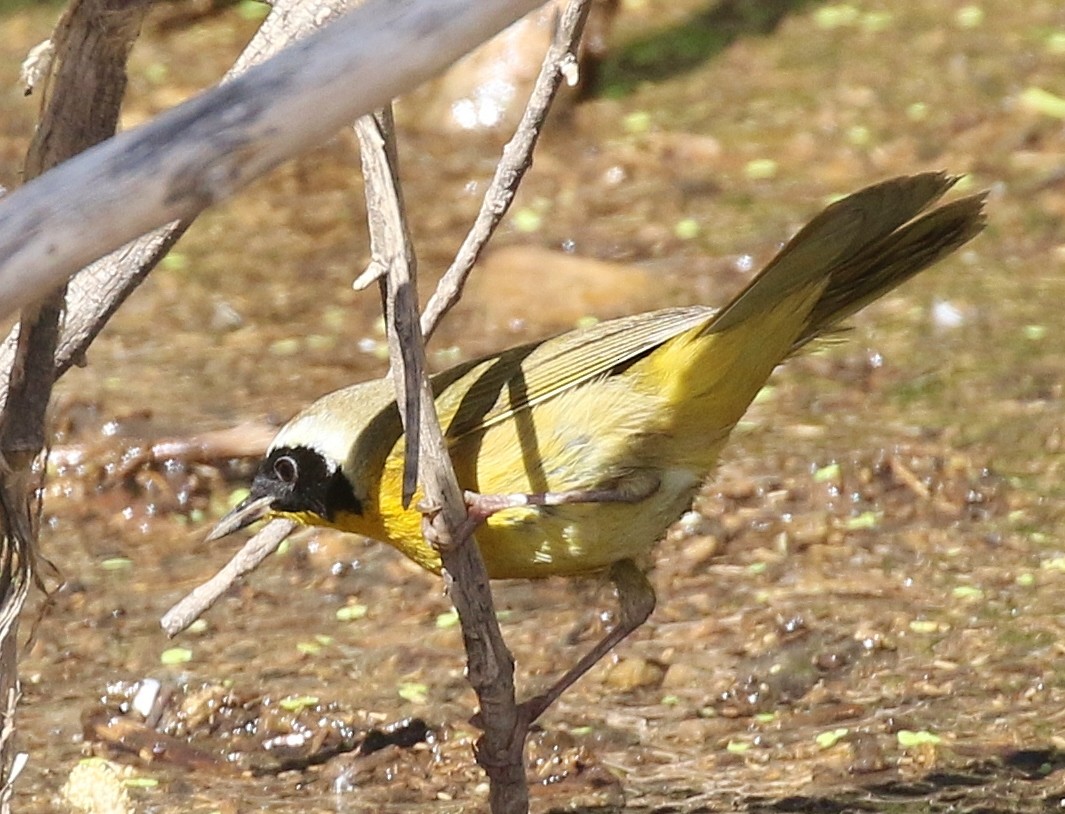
[491,667]
[391,249]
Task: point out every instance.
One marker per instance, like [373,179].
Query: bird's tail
[854,252]
[880,266]
[860,248]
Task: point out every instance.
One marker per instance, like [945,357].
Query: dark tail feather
[836,244]
[894,258]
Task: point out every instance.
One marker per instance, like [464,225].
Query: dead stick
[490,665]
[257,549]
[559,64]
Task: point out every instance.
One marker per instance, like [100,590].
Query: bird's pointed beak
[247,512]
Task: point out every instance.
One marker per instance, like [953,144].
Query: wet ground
[866,613]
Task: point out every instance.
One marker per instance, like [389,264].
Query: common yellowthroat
[600,437]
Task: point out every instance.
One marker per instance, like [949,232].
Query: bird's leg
[479,507]
[636,596]
[631,489]
[636,599]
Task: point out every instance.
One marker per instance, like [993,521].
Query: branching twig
[559,64]
[390,247]
[490,665]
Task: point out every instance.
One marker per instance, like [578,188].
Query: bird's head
[307,474]
[298,482]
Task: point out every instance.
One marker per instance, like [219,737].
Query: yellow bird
[602,436]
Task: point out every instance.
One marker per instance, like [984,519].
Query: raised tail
[854,252]
[861,247]
[893,259]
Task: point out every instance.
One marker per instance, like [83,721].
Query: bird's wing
[494,389]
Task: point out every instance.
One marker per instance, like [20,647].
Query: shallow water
[879,555]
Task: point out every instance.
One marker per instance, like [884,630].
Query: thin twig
[559,64]
[490,665]
[391,247]
[257,549]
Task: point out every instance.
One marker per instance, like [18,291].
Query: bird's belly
[580,538]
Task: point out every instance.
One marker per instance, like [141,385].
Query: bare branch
[390,246]
[559,64]
[490,665]
[208,148]
[257,549]
[87,81]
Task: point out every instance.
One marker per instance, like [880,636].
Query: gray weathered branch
[490,666]
[96,292]
[211,146]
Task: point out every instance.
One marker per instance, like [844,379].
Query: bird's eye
[285,469]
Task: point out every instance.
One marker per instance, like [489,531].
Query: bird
[586,446]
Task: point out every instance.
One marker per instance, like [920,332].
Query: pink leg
[636,599]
